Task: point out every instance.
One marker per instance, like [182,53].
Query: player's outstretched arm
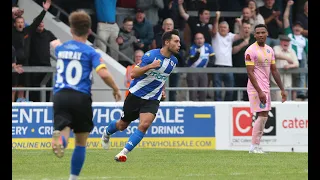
[139,71]
[108,79]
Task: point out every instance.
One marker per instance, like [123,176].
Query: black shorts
[134,105]
[19,79]
[73,109]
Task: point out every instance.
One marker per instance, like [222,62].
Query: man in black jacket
[40,56]
[21,42]
[18,68]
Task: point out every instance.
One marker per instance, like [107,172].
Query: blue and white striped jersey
[205,51]
[149,86]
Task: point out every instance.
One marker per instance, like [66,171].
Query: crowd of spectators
[207,41]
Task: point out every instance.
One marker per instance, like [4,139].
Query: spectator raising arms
[21,36]
[40,56]
[299,44]
[303,18]
[222,44]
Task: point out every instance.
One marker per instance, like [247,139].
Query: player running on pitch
[145,92]
[260,59]
[72,91]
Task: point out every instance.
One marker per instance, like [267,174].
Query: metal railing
[187,89]
[235,70]
[57,18]
[51,71]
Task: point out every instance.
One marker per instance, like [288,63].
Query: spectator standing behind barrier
[151,8]
[300,45]
[271,15]
[197,24]
[303,18]
[249,14]
[107,28]
[167,25]
[127,40]
[285,58]
[256,16]
[222,44]
[238,49]
[201,56]
[246,15]
[17,68]
[21,42]
[171,10]
[144,31]
[16,12]
[40,56]
[137,60]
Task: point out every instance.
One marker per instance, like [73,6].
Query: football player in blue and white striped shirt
[146,90]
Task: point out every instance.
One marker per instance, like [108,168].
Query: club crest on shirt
[268,51]
[262,106]
[147,54]
[248,58]
[172,63]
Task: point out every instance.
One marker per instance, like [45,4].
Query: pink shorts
[256,105]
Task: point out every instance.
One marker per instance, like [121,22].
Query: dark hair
[80,22]
[168,35]
[260,25]
[201,10]
[127,19]
[257,8]
[18,17]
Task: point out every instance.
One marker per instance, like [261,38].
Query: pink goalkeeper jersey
[261,58]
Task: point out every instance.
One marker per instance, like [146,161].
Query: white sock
[73,177]
[125,151]
[253,146]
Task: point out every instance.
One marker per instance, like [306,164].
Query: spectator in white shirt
[222,40]
[285,58]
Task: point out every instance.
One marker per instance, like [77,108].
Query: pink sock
[257,131]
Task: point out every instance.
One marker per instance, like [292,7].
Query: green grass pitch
[149,164]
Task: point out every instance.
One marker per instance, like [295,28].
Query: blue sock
[112,127]
[64,142]
[134,139]
[77,160]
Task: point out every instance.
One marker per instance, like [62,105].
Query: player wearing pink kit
[260,60]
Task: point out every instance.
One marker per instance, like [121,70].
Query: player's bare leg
[13,96]
[78,155]
[146,120]
[119,125]
[20,94]
[60,141]
[257,132]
